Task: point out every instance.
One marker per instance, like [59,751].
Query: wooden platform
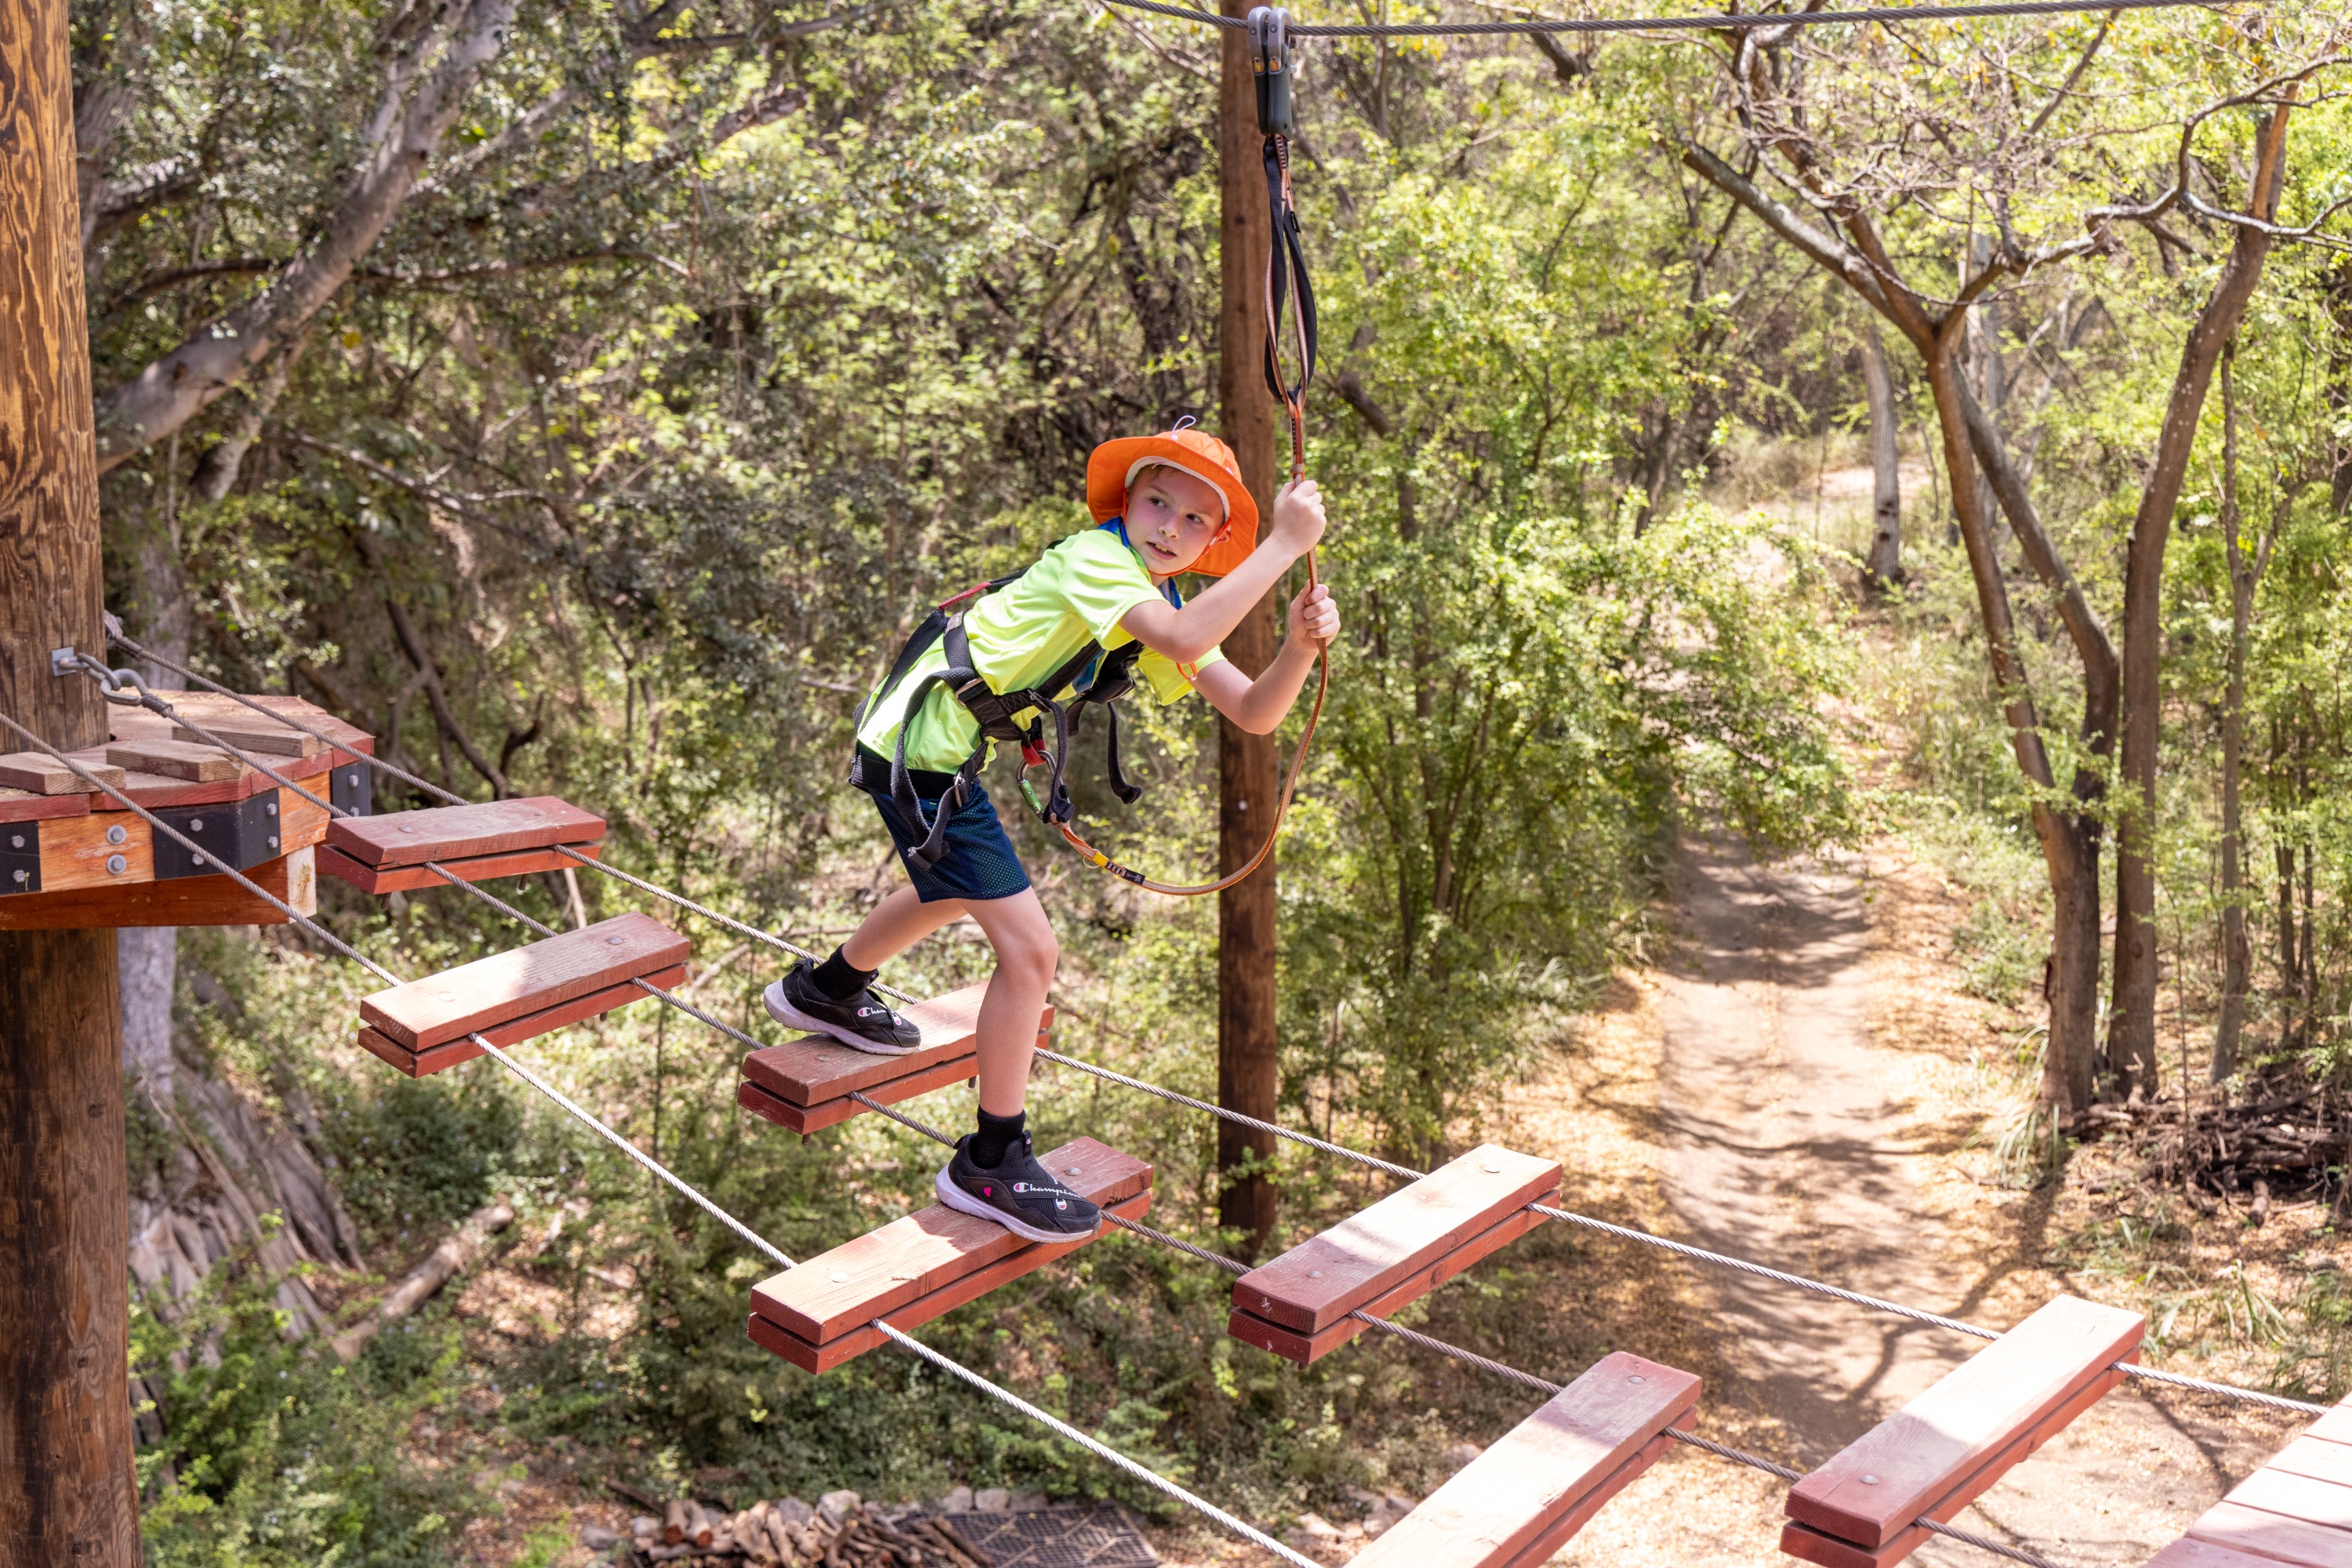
[805,1084]
[1520,1501]
[1393,1253]
[823,1313]
[421,1027]
[477,843]
[76,857]
[1940,1452]
[2295,1509]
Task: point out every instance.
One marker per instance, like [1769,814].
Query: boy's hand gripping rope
[1285,274]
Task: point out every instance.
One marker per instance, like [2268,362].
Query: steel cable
[1748,21]
[1623,1233]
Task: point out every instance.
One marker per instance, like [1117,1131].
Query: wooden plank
[1917,1458]
[157,793]
[1814,1546]
[24,805]
[434,1059]
[807,1119]
[2317,1458]
[888,1267]
[38,772]
[207,706]
[1294,1344]
[1507,1501]
[175,760]
[2273,1536]
[823,1358]
[521,981]
[334,862]
[252,734]
[1320,1281]
[182,901]
[463,832]
[1563,1530]
[811,1069]
[2307,1498]
[2336,1427]
[2189,1552]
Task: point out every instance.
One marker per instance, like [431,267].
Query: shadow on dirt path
[1792,1138]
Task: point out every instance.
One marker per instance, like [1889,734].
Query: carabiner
[1269,36]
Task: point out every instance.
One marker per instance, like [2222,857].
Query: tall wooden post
[66,1488]
[1249,1072]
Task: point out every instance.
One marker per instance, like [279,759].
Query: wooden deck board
[521,981]
[1369,1253]
[450,833]
[580,1009]
[807,1119]
[2273,1536]
[334,862]
[1566,1459]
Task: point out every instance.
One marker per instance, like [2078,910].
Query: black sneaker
[1018,1195]
[862,1021]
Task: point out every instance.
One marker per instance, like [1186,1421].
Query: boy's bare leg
[895,924]
[1027,955]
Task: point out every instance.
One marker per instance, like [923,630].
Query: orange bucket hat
[1114,465]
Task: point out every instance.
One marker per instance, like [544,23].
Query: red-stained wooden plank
[2307,1498]
[1814,1546]
[2336,1427]
[334,862]
[807,1119]
[158,793]
[1569,1457]
[182,901]
[40,773]
[1294,1344]
[252,734]
[2317,1458]
[22,805]
[521,981]
[1925,1454]
[1562,1531]
[190,763]
[2191,1553]
[823,1358]
[810,1069]
[1324,1278]
[887,1269]
[463,832]
[434,1059]
[2273,1536]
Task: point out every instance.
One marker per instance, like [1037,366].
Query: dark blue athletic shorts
[979,864]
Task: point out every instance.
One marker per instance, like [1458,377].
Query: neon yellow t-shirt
[1020,635]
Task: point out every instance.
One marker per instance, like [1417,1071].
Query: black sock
[996,1134]
[839,979]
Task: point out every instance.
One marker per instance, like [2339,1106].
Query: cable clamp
[64,661]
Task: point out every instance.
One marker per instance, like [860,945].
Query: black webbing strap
[1286,262]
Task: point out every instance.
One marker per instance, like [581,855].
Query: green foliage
[417,1157]
[277,1456]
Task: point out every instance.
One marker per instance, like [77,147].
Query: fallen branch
[456,1254]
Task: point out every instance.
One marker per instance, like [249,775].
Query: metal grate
[1102,1536]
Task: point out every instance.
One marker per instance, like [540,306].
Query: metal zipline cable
[1743,21]
[1339,1151]
[1095,1445]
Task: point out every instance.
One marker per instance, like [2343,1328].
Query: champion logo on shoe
[866,1012]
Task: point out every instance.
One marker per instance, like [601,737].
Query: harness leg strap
[1127,794]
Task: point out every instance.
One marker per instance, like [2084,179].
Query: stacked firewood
[2278,1147]
[791,1534]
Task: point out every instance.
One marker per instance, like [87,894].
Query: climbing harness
[1113,672]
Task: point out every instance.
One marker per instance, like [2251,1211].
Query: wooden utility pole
[67,1494]
[1249,1068]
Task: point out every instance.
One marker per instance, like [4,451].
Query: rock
[991,1500]
[1351,1533]
[1462,1454]
[835,1507]
[645,1525]
[957,1501]
[1025,1503]
[1312,1532]
[595,1537]
[792,1510]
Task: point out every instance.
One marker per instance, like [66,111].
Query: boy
[1165,505]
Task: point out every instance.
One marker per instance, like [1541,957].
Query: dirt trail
[1792,1125]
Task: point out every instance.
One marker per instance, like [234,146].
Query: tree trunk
[2131,1022]
[1884,565]
[2237,957]
[1249,1069]
[68,1493]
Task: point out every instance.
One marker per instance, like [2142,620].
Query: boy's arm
[1210,618]
[1258,706]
